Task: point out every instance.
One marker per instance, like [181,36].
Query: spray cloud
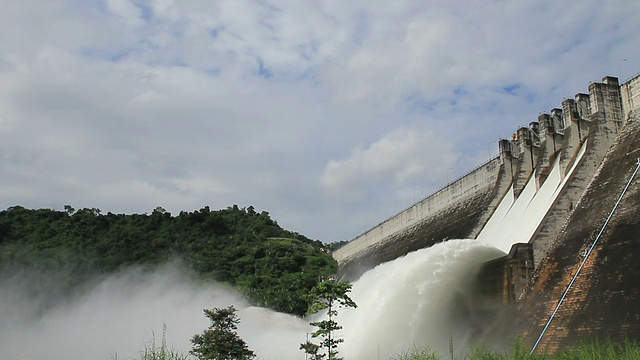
[407,302]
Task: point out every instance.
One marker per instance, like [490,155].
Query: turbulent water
[413,301]
[400,304]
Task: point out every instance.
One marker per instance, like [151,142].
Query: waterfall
[412,300]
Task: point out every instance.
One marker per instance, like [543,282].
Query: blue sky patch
[512,89]
[416,102]
[146,11]
[215,32]
[113,55]
[263,71]
[362,27]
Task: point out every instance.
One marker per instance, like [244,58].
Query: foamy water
[121,314]
[411,301]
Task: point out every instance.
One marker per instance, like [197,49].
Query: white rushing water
[411,301]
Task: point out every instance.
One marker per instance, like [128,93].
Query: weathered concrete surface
[525,156]
[551,138]
[630,93]
[505,278]
[604,302]
[457,211]
[603,128]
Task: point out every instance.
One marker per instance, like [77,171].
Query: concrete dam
[563,201]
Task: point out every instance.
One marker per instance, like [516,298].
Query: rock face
[604,301]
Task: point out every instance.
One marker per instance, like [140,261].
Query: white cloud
[126,10]
[329,115]
[404,156]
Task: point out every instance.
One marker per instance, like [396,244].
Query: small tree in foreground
[332,296]
[220,341]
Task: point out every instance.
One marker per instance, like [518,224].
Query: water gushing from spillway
[412,301]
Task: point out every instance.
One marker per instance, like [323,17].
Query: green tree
[273,267]
[69,209]
[332,296]
[220,341]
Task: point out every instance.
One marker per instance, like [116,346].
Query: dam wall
[603,302]
[462,208]
[630,94]
[593,143]
[459,210]
[596,119]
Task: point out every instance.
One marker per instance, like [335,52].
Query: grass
[416,353]
[153,352]
[626,350]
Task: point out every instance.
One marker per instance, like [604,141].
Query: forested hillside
[273,267]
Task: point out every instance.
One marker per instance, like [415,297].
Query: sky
[330,115]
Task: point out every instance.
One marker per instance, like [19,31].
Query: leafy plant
[328,295]
[221,341]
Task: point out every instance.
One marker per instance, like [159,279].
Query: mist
[123,313]
[411,301]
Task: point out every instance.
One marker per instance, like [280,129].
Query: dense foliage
[221,341]
[248,250]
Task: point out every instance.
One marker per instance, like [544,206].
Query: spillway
[544,191]
[516,220]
